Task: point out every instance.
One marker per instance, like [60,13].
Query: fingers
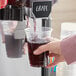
[51,47]
[42,49]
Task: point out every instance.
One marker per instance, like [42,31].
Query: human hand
[54,51]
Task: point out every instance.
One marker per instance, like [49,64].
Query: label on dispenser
[41,9]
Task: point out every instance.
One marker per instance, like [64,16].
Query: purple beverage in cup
[37,60]
[13,47]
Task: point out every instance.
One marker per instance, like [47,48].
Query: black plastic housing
[12,13]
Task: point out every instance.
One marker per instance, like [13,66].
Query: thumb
[42,49]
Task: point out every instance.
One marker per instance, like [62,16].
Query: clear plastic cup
[34,40]
[13,46]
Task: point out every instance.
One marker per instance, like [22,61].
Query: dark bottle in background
[17,3]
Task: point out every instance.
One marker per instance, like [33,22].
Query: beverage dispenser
[33,15]
[38,18]
[38,28]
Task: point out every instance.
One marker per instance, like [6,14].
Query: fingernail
[35,52]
